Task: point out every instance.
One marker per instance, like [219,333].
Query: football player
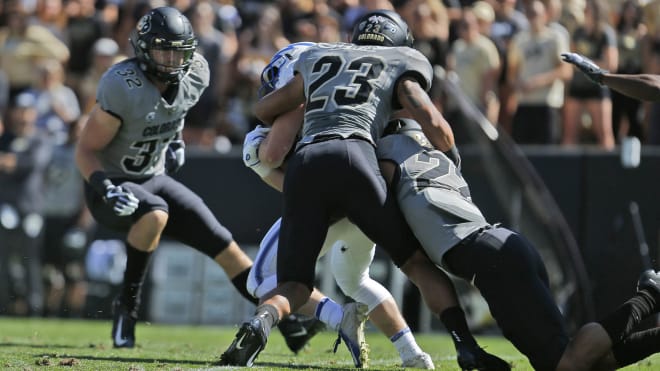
[348,92]
[351,252]
[435,199]
[130,143]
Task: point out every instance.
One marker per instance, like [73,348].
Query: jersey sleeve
[199,72]
[420,68]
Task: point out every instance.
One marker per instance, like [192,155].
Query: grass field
[36,344]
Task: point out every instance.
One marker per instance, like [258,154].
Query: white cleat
[351,331]
[422,361]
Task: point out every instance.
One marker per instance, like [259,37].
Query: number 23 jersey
[148,121]
[350,88]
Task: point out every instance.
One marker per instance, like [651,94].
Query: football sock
[137,262]
[329,312]
[269,315]
[637,346]
[240,281]
[405,344]
[454,320]
[622,321]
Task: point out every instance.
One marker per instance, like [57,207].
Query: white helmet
[279,70]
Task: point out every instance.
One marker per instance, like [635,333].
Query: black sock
[137,263]
[240,282]
[637,346]
[269,315]
[454,320]
[623,320]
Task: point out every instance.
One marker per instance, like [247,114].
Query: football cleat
[475,358]
[249,342]
[123,325]
[422,361]
[351,331]
[297,330]
[649,280]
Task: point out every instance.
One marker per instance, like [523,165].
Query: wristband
[100,182]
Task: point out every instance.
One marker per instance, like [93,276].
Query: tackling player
[349,92]
[435,200]
[132,140]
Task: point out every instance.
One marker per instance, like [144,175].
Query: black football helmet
[164,44]
[382,27]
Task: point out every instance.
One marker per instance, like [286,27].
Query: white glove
[123,201]
[175,156]
[251,150]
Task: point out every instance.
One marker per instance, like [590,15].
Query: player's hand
[251,150]
[175,156]
[586,65]
[122,201]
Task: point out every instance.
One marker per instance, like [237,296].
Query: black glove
[586,65]
[175,156]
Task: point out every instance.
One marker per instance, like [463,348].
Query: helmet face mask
[164,44]
[382,28]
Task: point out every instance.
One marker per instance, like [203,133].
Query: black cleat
[297,330]
[649,280]
[249,342]
[123,325]
[475,358]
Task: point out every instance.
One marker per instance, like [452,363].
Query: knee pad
[350,267]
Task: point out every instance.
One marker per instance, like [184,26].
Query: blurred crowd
[503,53]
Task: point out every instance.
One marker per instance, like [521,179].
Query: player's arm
[281,138]
[280,101]
[278,143]
[643,86]
[414,99]
[101,127]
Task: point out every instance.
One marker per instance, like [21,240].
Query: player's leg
[596,340]
[512,279]
[296,329]
[144,228]
[193,224]
[350,261]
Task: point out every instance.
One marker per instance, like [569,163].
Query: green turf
[36,344]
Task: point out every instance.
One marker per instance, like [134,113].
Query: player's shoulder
[199,69]
[115,77]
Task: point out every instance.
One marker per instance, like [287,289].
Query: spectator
[23,46]
[596,40]
[24,154]
[84,26]
[537,73]
[429,23]
[630,33]
[475,59]
[67,229]
[57,105]
[257,43]
[218,49]
[106,53]
[508,22]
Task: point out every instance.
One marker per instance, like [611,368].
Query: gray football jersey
[350,88]
[432,194]
[148,121]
